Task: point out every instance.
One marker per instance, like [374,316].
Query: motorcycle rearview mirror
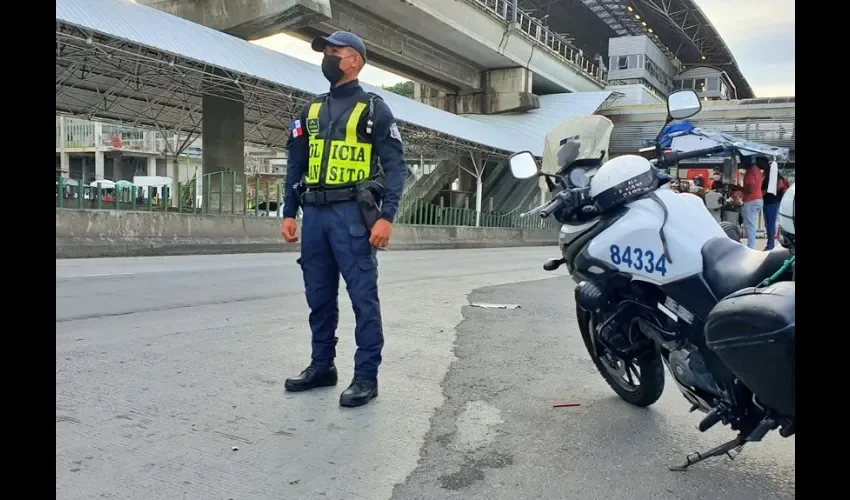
[683,104]
[523,165]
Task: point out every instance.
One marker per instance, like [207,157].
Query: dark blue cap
[340,39]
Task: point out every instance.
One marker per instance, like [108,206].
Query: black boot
[316,375]
[360,392]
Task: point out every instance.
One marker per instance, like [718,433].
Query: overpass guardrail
[232,193]
[532,29]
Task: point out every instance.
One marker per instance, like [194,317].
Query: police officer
[346,148]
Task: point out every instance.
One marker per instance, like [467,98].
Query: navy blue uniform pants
[334,241]
[771,212]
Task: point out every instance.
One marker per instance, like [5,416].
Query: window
[688,84]
[713,84]
[623,62]
[639,81]
[633,62]
[699,85]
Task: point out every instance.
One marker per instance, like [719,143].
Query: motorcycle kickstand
[735,445]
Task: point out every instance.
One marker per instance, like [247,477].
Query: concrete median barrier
[107,233]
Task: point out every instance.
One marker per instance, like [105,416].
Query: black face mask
[330,68]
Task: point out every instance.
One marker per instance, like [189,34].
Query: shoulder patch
[296,129]
[394,133]
[313,126]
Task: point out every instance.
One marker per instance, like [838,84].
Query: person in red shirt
[717,180]
[753,202]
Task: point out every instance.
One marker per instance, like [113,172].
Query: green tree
[401,88]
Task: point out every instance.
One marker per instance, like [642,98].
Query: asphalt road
[165,364]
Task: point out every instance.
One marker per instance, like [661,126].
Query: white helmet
[622,180]
[788,217]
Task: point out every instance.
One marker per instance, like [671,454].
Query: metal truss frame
[103,78]
[686,19]
[616,15]
[696,41]
[693,28]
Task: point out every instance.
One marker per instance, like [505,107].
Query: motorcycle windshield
[582,138]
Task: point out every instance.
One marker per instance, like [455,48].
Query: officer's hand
[381,232]
[288,229]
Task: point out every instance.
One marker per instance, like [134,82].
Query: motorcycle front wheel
[638,381]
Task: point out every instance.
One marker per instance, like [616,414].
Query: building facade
[645,75]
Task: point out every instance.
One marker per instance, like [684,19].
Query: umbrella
[104,184]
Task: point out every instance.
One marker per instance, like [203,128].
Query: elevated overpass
[469,56]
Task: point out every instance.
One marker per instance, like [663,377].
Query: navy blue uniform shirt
[386,142]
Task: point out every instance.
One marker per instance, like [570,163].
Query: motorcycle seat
[728,266]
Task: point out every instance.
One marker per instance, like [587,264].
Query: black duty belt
[323,197]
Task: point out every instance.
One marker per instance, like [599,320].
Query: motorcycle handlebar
[579,196]
[569,198]
[675,157]
[553,205]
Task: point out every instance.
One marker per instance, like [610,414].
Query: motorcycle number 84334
[639,259]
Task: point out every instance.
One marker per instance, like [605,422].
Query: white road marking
[99,275]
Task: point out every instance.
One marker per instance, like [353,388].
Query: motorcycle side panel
[569,232]
[633,244]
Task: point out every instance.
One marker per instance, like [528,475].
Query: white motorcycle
[660,283]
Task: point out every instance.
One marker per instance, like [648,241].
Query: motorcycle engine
[689,368]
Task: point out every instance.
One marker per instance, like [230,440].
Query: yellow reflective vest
[340,154]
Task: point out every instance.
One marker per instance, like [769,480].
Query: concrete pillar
[152,166]
[63,134]
[98,135]
[223,140]
[507,90]
[223,143]
[247,19]
[172,170]
[117,168]
[435,97]
[98,165]
[65,165]
[466,181]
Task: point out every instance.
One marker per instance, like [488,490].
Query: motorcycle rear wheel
[621,374]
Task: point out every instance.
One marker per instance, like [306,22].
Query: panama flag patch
[297,131]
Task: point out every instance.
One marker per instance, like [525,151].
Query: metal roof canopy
[120,61]
[681,25]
